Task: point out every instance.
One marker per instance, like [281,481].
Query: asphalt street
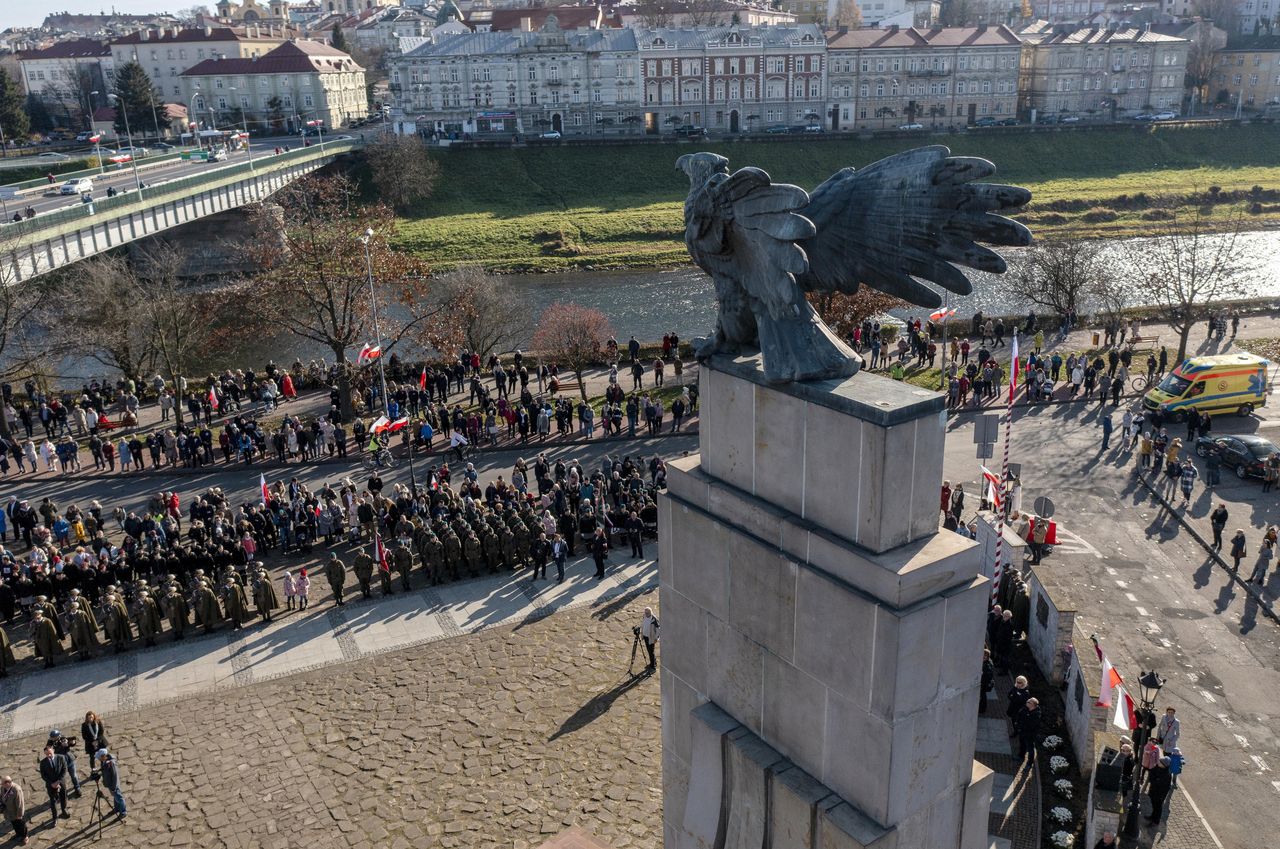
[1156,600]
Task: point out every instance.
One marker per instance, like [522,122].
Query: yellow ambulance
[1224,383]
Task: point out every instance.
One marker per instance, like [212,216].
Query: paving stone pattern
[503,737]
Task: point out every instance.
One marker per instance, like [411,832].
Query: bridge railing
[180,187]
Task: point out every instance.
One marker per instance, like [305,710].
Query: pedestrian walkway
[1014,821]
[299,641]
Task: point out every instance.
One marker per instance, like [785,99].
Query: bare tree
[315,280]
[402,169]
[26,349]
[1224,13]
[704,13]
[103,320]
[656,13]
[1057,274]
[573,335]
[1188,264]
[843,313]
[847,14]
[489,317]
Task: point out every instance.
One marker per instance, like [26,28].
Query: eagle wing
[746,227]
[916,214]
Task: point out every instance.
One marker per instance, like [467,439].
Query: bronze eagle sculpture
[913,215]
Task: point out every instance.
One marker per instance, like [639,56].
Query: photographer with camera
[648,631]
[109,774]
[66,747]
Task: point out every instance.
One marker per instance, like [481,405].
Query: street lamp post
[97,144]
[1149,684]
[133,157]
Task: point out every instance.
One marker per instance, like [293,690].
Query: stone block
[922,765]
[835,635]
[733,672]
[975,815]
[857,757]
[666,558]
[945,816]
[675,796]
[965,627]
[743,510]
[845,827]
[926,475]
[684,637]
[762,594]
[833,463]
[678,701]
[728,449]
[780,449]
[795,705]
[793,801]
[703,817]
[919,655]
[701,569]
[748,763]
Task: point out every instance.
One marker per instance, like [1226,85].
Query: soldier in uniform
[403,558]
[149,621]
[335,571]
[175,607]
[208,613]
[264,594]
[452,555]
[471,551]
[87,609]
[45,637]
[492,549]
[119,631]
[84,637]
[363,567]
[51,613]
[507,543]
[433,557]
[237,605]
[6,654]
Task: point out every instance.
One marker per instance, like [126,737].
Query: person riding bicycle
[459,444]
[378,442]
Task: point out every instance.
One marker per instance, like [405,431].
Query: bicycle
[1139,383]
[378,458]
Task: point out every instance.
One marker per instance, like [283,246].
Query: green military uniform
[363,567]
[150,623]
[492,549]
[87,609]
[50,612]
[433,557]
[402,558]
[236,603]
[471,551]
[119,631]
[507,538]
[452,555]
[176,609]
[207,608]
[45,637]
[6,654]
[335,571]
[264,595]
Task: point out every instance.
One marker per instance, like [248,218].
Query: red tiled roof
[75,48]
[292,57]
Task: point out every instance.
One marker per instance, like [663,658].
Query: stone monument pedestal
[822,641]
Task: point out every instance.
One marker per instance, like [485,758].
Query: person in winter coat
[176,609]
[264,595]
[302,586]
[237,606]
[45,637]
[84,636]
[15,808]
[207,607]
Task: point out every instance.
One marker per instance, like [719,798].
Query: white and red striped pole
[997,571]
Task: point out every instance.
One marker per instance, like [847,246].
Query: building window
[308,101]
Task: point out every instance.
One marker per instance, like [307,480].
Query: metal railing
[111,167]
[180,187]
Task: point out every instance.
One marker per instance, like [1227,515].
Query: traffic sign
[1043,507]
[986,450]
[986,428]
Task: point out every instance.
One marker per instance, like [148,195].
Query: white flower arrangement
[1063,788]
[1053,741]
[1058,763]
[1062,839]
[1060,815]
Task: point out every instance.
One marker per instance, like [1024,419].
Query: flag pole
[997,573]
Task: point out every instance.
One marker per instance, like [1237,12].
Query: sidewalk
[1014,821]
[298,641]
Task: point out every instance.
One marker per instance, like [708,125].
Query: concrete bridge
[53,240]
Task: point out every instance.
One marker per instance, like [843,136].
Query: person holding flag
[384,566]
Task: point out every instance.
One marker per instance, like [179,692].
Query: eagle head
[699,167]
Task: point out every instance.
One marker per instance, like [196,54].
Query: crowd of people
[99,579]
[507,402]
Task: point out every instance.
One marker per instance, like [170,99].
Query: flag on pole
[368,353]
[262,485]
[422,378]
[95,138]
[213,399]
[939,315]
[1111,680]
[994,494]
[380,552]
[1014,366]
[1125,717]
[383,425]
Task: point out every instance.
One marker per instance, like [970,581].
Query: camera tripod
[635,645]
[98,799]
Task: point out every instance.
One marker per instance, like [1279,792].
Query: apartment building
[166,54]
[64,76]
[940,77]
[1111,71]
[1247,75]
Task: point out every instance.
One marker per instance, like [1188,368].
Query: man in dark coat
[54,772]
[1028,725]
[1158,782]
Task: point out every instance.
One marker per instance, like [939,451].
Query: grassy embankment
[556,208]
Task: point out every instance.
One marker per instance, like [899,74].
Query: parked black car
[1245,453]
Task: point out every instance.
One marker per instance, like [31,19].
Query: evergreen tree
[135,97]
[40,119]
[275,112]
[339,41]
[13,114]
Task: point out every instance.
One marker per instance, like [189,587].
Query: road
[46,199]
